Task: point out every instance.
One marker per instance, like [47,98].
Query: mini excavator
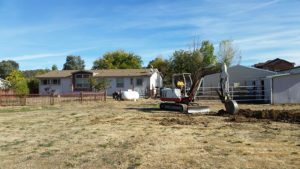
[182,95]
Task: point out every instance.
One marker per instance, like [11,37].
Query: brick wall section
[6,92]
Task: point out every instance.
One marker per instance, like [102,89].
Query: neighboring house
[69,81]
[275,65]
[243,76]
[285,88]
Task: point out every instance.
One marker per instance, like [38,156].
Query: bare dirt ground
[137,135]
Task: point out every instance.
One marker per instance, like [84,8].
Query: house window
[139,82]
[45,81]
[56,81]
[51,81]
[120,82]
[82,81]
[131,81]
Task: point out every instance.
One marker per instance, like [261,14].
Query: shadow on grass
[147,110]
[154,110]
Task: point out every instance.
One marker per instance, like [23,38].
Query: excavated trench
[247,115]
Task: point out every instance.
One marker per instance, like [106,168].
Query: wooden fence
[6,91]
[36,99]
[148,93]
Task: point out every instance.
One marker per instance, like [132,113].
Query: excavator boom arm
[202,72]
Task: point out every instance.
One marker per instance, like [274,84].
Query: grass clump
[46,154]
[236,142]
[134,165]
[50,144]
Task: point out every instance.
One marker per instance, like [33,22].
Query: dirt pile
[247,115]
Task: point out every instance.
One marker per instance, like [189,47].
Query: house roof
[270,62]
[100,73]
[241,68]
[283,74]
[253,68]
[56,73]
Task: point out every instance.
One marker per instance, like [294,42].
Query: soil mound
[247,115]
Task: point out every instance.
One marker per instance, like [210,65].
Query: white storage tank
[130,95]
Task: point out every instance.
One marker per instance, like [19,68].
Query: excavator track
[174,107]
[183,108]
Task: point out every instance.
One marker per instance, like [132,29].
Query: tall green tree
[54,67]
[186,61]
[74,63]
[227,52]
[28,74]
[32,82]
[33,85]
[191,60]
[162,66]
[207,50]
[6,67]
[18,82]
[118,60]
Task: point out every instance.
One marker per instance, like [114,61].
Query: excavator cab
[182,81]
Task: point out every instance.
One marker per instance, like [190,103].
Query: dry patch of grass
[138,135]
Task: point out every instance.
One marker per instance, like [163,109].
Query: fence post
[52,99]
[24,100]
[121,94]
[81,97]
[1,99]
[105,94]
[147,92]
[152,93]
[132,86]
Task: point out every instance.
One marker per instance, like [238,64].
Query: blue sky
[40,33]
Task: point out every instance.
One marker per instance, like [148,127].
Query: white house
[69,81]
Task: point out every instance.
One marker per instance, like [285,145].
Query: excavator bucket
[231,106]
[198,109]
